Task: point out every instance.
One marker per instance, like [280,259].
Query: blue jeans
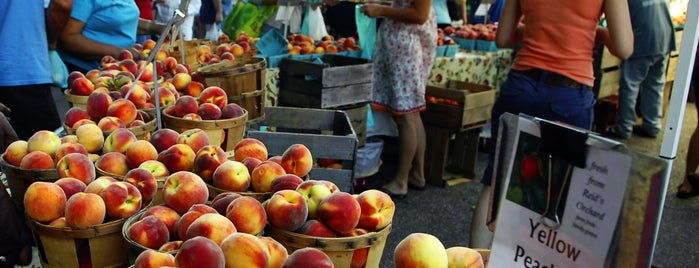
[523,94]
[644,76]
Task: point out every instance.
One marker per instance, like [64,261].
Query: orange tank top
[559,37]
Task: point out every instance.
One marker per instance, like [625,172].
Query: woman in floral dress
[403,56]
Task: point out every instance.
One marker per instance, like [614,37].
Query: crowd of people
[551,76]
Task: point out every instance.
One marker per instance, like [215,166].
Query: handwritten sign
[590,201]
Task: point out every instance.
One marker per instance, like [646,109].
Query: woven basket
[19,179]
[242,80]
[63,247]
[340,249]
[224,132]
[134,249]
[75,100]
[142,132]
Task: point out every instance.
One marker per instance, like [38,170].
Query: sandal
[417,187]
[693,180]
[392,194]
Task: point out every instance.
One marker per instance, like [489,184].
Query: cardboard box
[474,105]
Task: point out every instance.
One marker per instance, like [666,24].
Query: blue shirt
[24,58]
[652,28]
[442,12]
[112,22]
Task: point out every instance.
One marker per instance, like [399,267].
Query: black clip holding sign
[566,143]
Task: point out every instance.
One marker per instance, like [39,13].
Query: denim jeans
[523,94]
[642,78]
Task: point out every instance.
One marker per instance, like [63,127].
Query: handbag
[59,71]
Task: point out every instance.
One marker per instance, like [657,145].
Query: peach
[221,201]
[69,147]
[207,159]
[227,56]
[121,199]
[155,167]
[37,160]
[331,185]
[463,257]
[250,147]
[231,176]
[94,73]
[140,151]
[232,110]
[310,257]
[78,166]
[171,246]
[151,258]
[99,184]
[163,138]
[84,210]
[137,93]
[286,182]
[45,141]
[192,116]
[286,210]
[90,136]
[297,159]
[166,214]
[247,214]
[214,95]
[70,138]
[123,109]
[109,123]
[144,181]
[263,175]
[179,157]
[59,223]
[276,159]
[147,69]
[118,140]
[245,250]
[195,138]
[166,97]
[340,211]
[316,228]
[149,232]
[314,191]
[71,186]
[185,221]
[377,209]
[251,163]
[15,151]
[277,252]
[181,81]
[200,252]
[420,250]
[97,104]
[209,111]
[76,74]
[183,189]
[74,114]
[193,89]
[82,86]
[113,163]
[83,122]
[185,105]
[44,201]
[213,226]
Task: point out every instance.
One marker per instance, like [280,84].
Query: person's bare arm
[509,32]
[57,15]
[464,12]
[618,36]
[219,11]
[418,14]
[73,41]
[149,27]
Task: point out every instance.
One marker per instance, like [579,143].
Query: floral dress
[403,57]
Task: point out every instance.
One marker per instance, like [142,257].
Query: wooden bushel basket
[243,81]
[339,249]
[19,179]
[224,132]
[141,132]
[214,191]
[60,247]
[134,249]
[75,100]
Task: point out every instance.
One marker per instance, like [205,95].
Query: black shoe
[638,130]
[610,133]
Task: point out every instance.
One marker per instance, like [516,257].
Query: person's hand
[219,18]
[4,109]
[372,10]
[137,55]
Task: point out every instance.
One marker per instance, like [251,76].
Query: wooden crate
[358,117]
[609,82]
[474,105]
[222,132]
[337,81]
[326,133]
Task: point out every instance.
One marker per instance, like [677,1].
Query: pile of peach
[226,50]
[212,104]
[425,250]
[300,44]
[473,31]
[444,39]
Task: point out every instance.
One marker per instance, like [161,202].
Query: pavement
[446,212]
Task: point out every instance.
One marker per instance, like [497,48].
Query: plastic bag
[212,32]
[247,17]
[313,24]
[59,72]
[366,30]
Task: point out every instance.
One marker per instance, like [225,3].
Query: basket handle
[246,95]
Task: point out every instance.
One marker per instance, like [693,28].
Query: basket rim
[247,193]
[4,164]
[332,243]
[233,67]
[133,219]
[89,232]
[209,124]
